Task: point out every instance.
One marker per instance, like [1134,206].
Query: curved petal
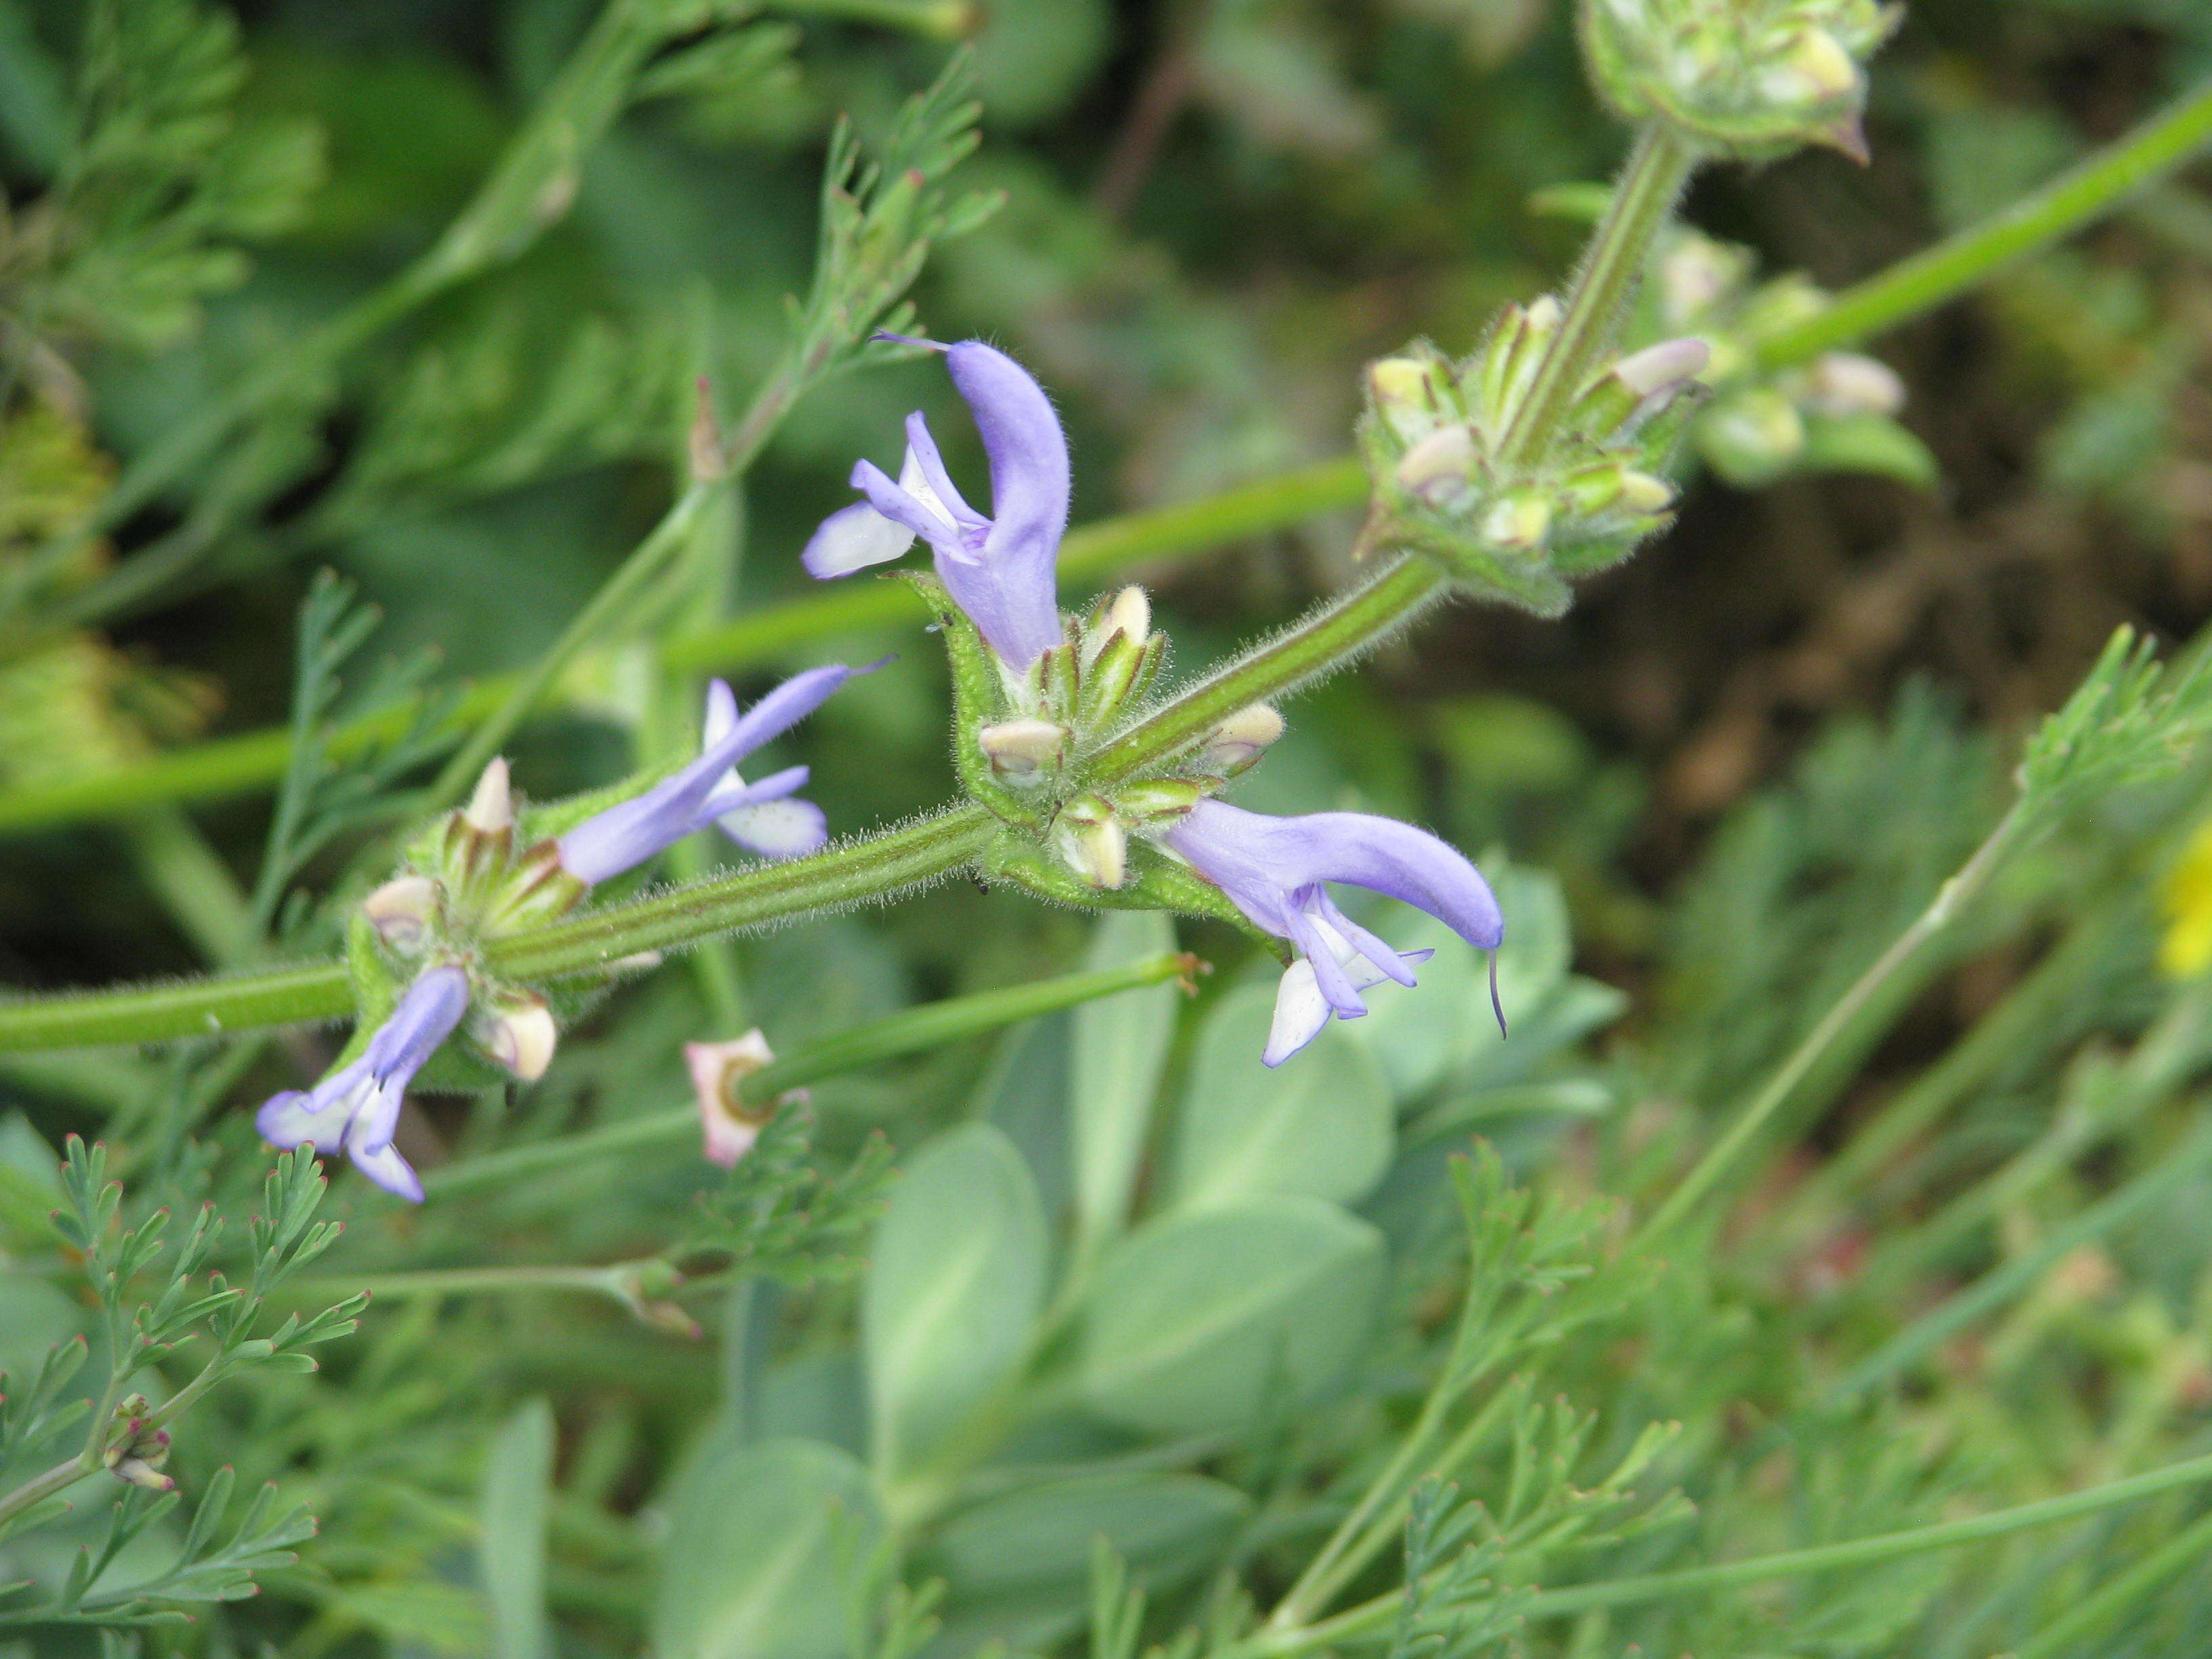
[1387,962]
[905,507]
[720,715]
[852,539]
[294,1118]
[924,477]
[734,792]
[1301,1010]
[776,829]
[1010,588]
[383,1165]
[431,1007]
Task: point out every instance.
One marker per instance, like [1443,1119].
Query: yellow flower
[2186,951]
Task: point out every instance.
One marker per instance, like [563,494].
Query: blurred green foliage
[1129,1351]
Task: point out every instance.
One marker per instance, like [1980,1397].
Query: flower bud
[1519,522]
[491,808]
[1130,615]
[1445,456]
[1845,383]
[401,911]
[730,1122]
[1024,752]
[1696,274]
[1641,493]
[521,1036]
[1412,396]
[1092,840]
[1157,802]
[1665,366]
[1751,437]
[1241,739]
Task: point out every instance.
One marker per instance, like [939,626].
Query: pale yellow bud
[402,909]
[521,1037]
[491,808]
[1023,751]
[1642,493]
[1669,363]
[1518,523]
[1130,615]
[1820,60]
[1239,740]
[1447,453]
[1845,383]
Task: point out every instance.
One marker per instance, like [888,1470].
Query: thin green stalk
[160,1013]
[1955,1313]
[915,1031]
[2028,1005]
[1692,1190]
[911,1030]
[252,761]
[2186,1549]
[1657,168]
[2076,197]
[1372,1618]
[1332,635]
[607,607]
[871,870]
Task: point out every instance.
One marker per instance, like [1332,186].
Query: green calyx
[1447,483]
[1753,79]
[1028,744]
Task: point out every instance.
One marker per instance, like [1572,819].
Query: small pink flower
[732,1123]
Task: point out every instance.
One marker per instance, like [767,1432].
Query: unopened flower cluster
[1751,78]
[1449,481]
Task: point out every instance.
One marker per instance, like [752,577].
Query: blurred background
[1711,793]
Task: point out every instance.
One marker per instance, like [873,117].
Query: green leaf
[1868,443]
[1121,1046]
[1320,1124]
[514,1503]
[766,1553]
[1163,1525]
[1194,1319]
[1017,1568]
[955,1279]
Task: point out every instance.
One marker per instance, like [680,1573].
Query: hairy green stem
[161,1013]
[1720,1157]
[1658,168]
[2075,199]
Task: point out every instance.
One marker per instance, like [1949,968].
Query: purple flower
[762,817]
[1275,871]
[999,570]
[357,1106]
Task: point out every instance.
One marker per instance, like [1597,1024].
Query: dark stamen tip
[1496,1006]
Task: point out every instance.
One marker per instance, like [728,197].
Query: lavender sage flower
[999,570]
[357,1106]
[1276,872]
[761,818]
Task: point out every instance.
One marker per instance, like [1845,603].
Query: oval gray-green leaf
[768,1546]
[1194,1316]
[955,1278]
[1165,1526]
[1120,1048]
[1320,1124]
